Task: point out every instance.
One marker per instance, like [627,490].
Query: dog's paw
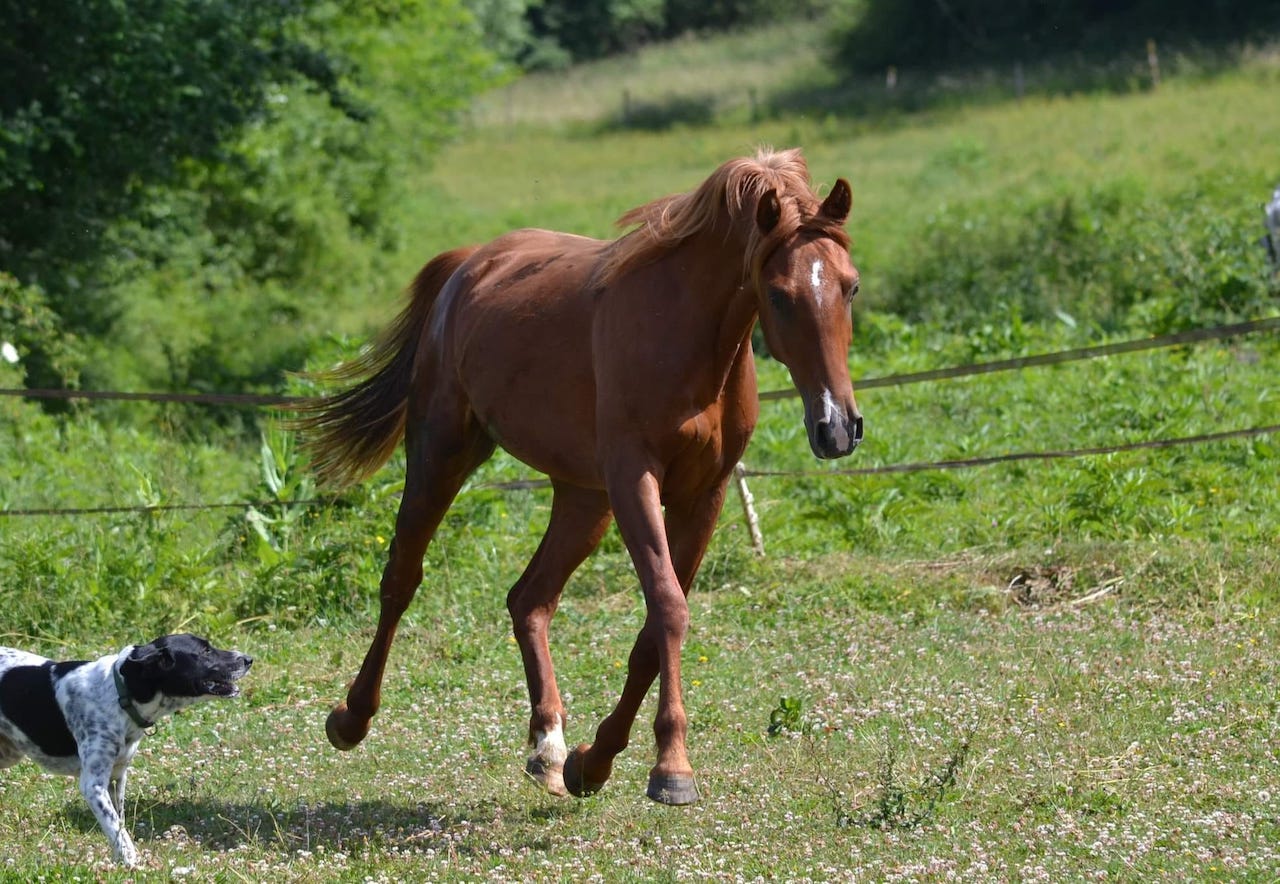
[127,855]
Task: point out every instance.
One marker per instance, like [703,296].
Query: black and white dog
[87,717]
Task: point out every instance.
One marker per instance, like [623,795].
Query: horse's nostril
[857,429]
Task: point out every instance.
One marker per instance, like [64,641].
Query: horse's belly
[557,442]
[533,391]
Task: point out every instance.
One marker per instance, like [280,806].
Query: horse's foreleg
[666,558]
[579,518]
[438,462]
[590,765]
[689,530]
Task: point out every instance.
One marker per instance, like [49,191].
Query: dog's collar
[126,701]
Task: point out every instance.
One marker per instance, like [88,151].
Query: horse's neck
[712,276]
[733,341]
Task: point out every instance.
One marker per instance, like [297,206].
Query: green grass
[715,77]
[1098,632]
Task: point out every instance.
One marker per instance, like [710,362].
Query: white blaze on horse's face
[831,415]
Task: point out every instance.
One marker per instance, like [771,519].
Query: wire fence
[1176,339]
[277,401]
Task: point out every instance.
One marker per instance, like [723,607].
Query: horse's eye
[853,292]
[779,301]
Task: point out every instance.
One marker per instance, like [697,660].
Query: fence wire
[538,484]
[1176,339]
[903,379]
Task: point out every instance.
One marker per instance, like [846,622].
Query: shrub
[1113,257]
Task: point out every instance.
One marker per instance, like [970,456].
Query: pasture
[1037,670]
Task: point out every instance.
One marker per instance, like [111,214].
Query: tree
[230,139]
[98,97]
[942,33]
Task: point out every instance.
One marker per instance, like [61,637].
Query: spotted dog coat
[87,717]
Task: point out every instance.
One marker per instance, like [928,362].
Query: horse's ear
[769,211]
[838,203]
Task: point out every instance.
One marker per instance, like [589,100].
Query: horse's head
[806,286]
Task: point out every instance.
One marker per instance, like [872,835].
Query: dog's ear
[143,653]
[161,658]
[155,654]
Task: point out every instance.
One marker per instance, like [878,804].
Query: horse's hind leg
[443,447]
[579,518]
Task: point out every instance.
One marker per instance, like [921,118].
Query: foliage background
[193,195]
[956,33]
[173,175]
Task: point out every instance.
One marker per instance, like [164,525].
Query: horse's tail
[351,433]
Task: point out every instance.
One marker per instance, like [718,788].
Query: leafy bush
[550,34]
[34,331]
[1111,257]
[175,174]
[101,96]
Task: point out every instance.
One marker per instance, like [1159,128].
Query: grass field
[1040,671]
[690,78]
[1098,740]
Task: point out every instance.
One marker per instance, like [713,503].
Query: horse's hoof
[575,776]
[673,789]
[343,731]
[548,776]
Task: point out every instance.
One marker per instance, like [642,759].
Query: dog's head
[184,669]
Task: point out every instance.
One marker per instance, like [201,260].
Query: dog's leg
[94,786]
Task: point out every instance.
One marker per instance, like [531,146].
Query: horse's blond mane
[729,196]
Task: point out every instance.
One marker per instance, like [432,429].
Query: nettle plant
[292,490]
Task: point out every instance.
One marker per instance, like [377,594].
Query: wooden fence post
[749,508]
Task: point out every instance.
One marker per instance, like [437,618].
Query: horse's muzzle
[835,433]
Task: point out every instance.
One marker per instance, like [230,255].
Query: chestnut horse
[623,371]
